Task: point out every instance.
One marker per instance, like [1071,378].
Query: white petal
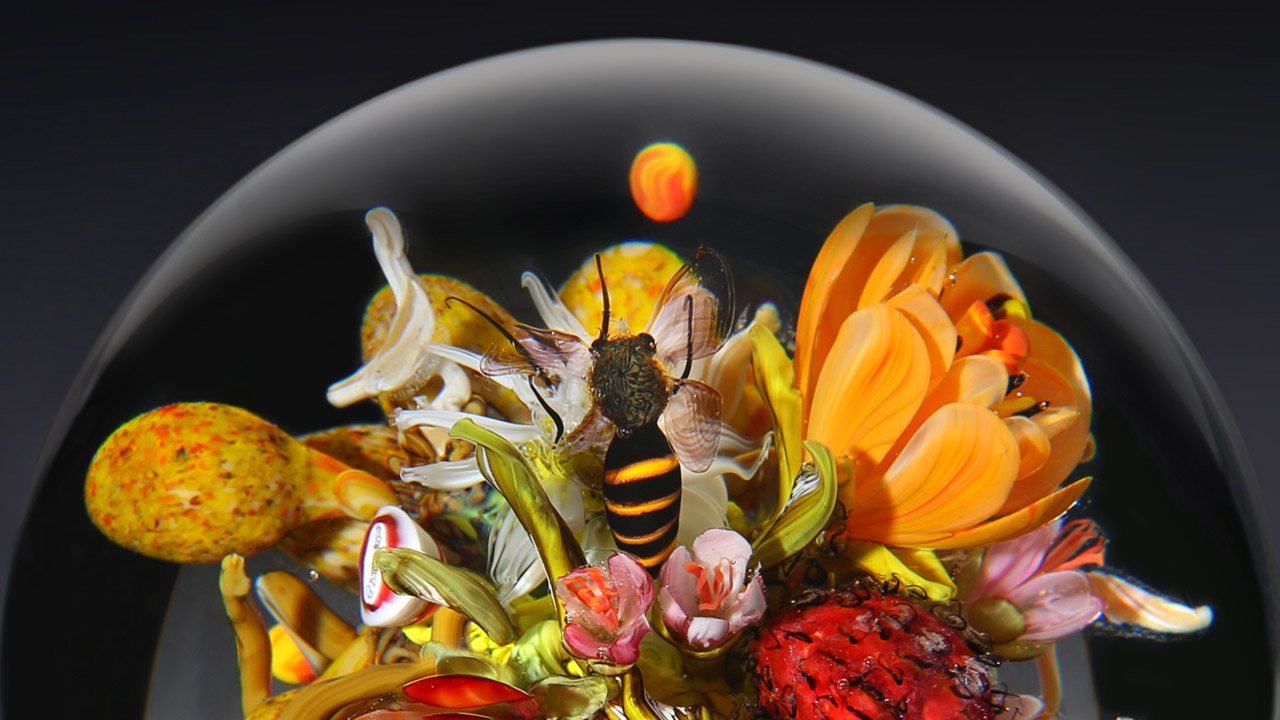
[401,361]
[550,308]
[445,475]
[706,632]
[515,432]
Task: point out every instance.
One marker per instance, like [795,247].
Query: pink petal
[747,608]
[629,579]
[1009,564]
[717,543]
[674,616]
[1055,605]
[680,585]
[584,644]
[626,649]
[706,632]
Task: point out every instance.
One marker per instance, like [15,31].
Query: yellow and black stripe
[642,495]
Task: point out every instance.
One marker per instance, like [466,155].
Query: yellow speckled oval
[194,481]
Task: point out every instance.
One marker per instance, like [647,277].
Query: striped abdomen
[642,494]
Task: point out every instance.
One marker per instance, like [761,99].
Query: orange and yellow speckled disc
[635,271]
[664,181]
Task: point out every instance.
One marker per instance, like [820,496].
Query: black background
[121,125]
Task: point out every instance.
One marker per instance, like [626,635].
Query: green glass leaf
[410,572]
[460,661]
[540,653]
[572,698]
[504,467]
[806,512]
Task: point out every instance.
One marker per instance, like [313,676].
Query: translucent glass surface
[521,162]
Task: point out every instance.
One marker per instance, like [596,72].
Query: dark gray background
[120,126]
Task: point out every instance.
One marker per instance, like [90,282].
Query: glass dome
[521,162]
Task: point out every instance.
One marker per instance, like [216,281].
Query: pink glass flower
[605,608]
[1036,573]
[705,596]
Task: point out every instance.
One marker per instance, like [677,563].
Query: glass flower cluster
[650,505]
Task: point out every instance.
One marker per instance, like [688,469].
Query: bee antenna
[604,296]
[505,333]
[555,416]
[688,357]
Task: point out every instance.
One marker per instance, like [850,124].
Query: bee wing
[695,312]
[533,350]
[691,423]
[558,353]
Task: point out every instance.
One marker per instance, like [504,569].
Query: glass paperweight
[734,386]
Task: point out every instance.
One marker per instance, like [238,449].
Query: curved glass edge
[191,248]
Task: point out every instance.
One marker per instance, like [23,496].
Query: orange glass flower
[956,414]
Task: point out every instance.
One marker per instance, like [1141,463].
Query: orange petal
[1033,445]
[931,321]
[826,298]
[887,269]
[935,247]
[1055,375]
[1029,518]
[977,380]
[1055,421]
[844,269]
[979,278]
[955,472]
[932,271]
[870,386]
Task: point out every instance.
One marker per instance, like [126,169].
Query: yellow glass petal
[297,608]
[884,565]
[803,517]
[288,663]
[639,705]
[775,382]
[926,564]
[356,656]
[871,385]
[955,472]
[1010,526]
